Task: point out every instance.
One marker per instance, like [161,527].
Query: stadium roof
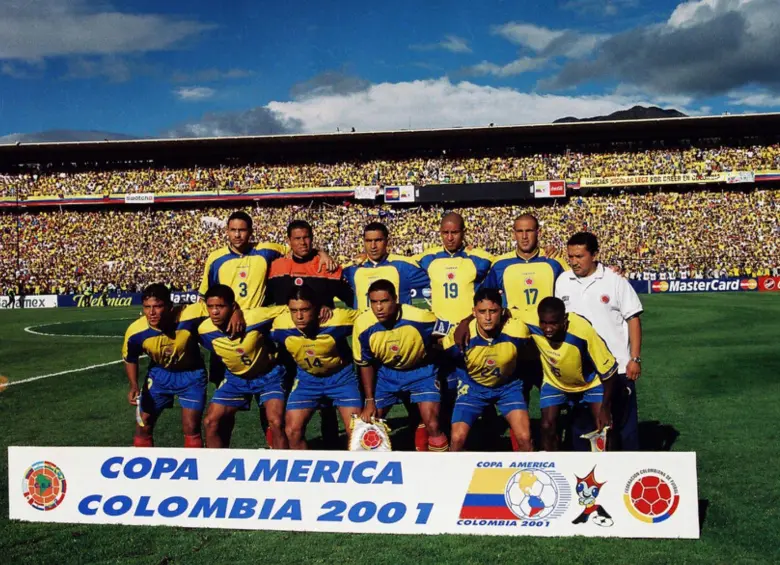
[346,145]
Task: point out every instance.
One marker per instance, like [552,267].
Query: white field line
[30,330]
[79,370]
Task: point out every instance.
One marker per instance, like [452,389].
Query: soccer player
[304,267]
[526,275]
[492,370]
[251,368]
[611,304]
[323,357]
[578,367]
[175,370]
[390,345]
[404,273]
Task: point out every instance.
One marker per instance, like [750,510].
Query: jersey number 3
[243,289]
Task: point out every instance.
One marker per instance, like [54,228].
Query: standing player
[578,367]
[390,345]
[323,357]
[613,307]
[176,368]
[404,273]
[251,368]
[492,370]
[304,267]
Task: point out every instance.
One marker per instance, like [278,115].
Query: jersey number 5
[450,290]
[531,294]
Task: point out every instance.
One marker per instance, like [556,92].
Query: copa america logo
[44,486]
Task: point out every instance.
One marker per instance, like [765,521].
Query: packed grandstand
[693,224]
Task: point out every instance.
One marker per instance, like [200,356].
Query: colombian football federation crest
[369,436]
[44,486]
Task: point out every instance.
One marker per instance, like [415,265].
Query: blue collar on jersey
[536,255]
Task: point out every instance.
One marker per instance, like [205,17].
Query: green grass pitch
[711,384]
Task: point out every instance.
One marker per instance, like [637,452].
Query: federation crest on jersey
[394,348]
[243,273]
[240,350]
[490,362]
[529,281]
[450,276]
[298,281]
[310,353]
[605,299]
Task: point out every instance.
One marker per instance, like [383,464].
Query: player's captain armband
[598,440]
[373,436]
[441,328]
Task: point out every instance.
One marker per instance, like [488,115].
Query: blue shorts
[238,392]
[553,396]
[473,398]
[308,391]
[162,385]
[420,384]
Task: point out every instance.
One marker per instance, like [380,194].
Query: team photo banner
[631,495]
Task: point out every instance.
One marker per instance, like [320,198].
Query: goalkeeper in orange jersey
[176,367]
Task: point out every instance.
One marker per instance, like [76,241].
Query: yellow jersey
[454,280]
[492,362]
[174,350]
[248,356]
[246,274]
[403,346]
[322,354]
[406,275]
[581,362]
[524,282]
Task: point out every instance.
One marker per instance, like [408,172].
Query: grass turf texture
[710,385]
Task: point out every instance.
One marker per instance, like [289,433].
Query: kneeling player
[390,344]
[324,359]
[578,367]
[175,370]
[251,369]
[491,371]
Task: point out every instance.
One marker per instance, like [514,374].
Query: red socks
[513,439]
[141,441]
[269,438]
[421,438]
[438,443]
[193,441]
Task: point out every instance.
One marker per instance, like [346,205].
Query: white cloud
[519,66]
[549,42]
[194,93]
[605,7]
[35,29]
[442,103]
[211,75]
[451,43]
[754,99]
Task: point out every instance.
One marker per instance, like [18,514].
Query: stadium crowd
[570,166]
[699,234]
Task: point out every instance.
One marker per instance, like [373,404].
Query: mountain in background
[635,113]
[60,135]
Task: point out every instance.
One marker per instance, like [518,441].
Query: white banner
[549,189]
[30,301]
[643,495]
[142,198]
[366,192]
[737,177]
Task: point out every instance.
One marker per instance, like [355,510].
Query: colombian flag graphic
[486,495]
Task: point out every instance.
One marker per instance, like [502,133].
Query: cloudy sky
[201,68]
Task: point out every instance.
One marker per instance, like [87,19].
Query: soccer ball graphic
[531,494]
[651,495]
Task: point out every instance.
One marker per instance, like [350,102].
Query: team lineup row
[511,333]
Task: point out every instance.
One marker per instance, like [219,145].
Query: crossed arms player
[176,367]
